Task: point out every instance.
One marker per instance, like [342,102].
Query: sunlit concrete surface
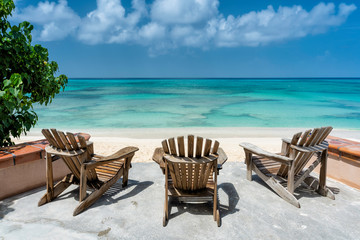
[249,210]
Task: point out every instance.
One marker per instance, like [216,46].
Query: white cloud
[109,23]
[266,26]
[183,11]
[152,31]
[167,24]
[57,20]
[99,24]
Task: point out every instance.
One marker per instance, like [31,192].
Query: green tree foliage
[27,77]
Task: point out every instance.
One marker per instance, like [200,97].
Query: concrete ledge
[344,149]
[24,177]
[344,161]
[249,210]
[23,167]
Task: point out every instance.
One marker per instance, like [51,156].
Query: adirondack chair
[286,171]
[87,169]
[191,177]
[159,153]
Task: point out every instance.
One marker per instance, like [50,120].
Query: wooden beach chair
[286,171]
[87,169]
[191,177]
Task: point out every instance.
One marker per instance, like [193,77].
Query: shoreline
[108,141]
[209,132]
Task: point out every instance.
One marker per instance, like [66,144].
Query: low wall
[24,177]
[343,162]
[23,167]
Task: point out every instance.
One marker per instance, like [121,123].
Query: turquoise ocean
[174,103]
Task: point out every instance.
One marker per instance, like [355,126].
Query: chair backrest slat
[165,146]
[176,174]
[304,137]
[328,131]
[57,138]
[181,146]
[202,174]
[82,141]
[310,141]
[172,172]
[196,176]
[190,176]
[172,146]
[216,147]
[183,175]
[207,147]
[72,140]
[64,140]
[190,145]
[50,138]
[208,170]
[199,144]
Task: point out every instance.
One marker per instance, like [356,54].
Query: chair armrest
[222,158]
[260,152]
[122,153]
[317,148]
[286,140]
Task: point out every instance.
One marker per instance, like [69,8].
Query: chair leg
[278,188]
[166,212]
[313,183]
[97,193]
[49,195]
[58,189]
[83,182]
[249,163]
[126,170]
[91,199]
[166,204]
[322,190]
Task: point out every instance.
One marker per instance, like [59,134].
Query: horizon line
[213,78]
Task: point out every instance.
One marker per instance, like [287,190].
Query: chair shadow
[5,208]
[302,191]
[207,207]
[107,197]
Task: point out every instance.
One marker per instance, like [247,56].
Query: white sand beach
[108,141]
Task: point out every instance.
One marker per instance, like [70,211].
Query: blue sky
[197,38]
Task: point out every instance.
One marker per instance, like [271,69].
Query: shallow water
[164,103]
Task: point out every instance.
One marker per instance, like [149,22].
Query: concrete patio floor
[249,210]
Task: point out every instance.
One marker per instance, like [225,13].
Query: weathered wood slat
[310,140]
[165,146]
[216,147]
[65,141]
[58,139]
[181,146]
[304,137]
[72,140]
[207,147]
[190,146]
[172,146]
[82,141]
[199,144]
[50,138]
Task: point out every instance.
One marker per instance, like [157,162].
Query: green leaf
[28,76]
[7,83]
